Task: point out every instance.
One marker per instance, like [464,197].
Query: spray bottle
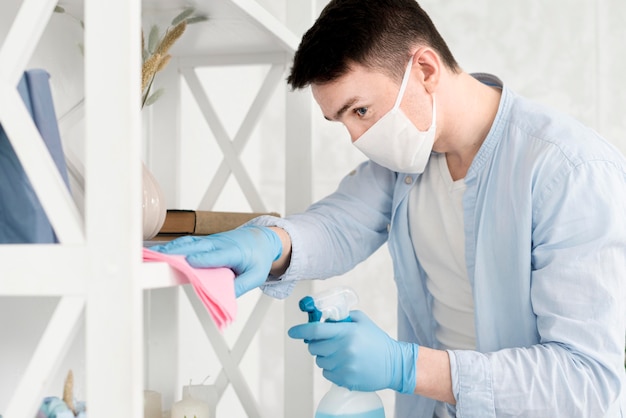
[334,305]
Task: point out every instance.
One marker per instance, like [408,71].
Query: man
[505,221]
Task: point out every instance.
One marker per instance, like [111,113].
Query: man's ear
[427,63]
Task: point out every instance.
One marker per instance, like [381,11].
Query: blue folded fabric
[53,407]
[22,218]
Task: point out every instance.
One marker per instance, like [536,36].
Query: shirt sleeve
[338,232]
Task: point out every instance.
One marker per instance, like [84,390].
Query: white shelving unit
[98,259]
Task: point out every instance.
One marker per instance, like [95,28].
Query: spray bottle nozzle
[307,304]
[332,305]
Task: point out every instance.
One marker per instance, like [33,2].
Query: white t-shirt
[436,223]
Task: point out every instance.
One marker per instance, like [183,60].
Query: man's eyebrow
[344,108]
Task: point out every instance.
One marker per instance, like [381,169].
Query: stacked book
[179,222]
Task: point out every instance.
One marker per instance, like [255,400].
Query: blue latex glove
[360,356]
[248,250]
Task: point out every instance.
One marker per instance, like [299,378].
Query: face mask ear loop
[405,81]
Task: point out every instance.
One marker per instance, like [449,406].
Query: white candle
[206,393]
[190,407]
[152,404]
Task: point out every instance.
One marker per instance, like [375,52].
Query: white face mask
[394,142]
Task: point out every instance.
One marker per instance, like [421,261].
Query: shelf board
[234,27]
[55,270]
[42,270]
[155,275]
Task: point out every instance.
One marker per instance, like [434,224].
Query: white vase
[153,204]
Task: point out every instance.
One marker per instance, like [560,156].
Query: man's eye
[361,111]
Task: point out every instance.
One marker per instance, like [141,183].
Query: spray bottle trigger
[307,304]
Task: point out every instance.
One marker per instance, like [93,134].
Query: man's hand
[360,356]
[249,251]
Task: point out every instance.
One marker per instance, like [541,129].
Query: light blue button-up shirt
[545,243]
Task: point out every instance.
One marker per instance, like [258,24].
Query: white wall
[566,53]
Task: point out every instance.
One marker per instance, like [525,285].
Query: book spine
[209,222]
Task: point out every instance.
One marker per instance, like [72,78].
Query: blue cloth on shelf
[22,218]
[53,407]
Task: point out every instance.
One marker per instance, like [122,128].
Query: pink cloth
[214,286]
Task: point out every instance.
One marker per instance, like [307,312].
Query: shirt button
[388,227]
[352,173]
[408,180]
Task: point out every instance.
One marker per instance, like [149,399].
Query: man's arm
[433,379]
[280,266]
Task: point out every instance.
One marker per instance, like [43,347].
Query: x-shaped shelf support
[15,52]
[231,163]
[231,149]
[48,184]
[230,359]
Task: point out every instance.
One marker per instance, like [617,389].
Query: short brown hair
[374,33]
